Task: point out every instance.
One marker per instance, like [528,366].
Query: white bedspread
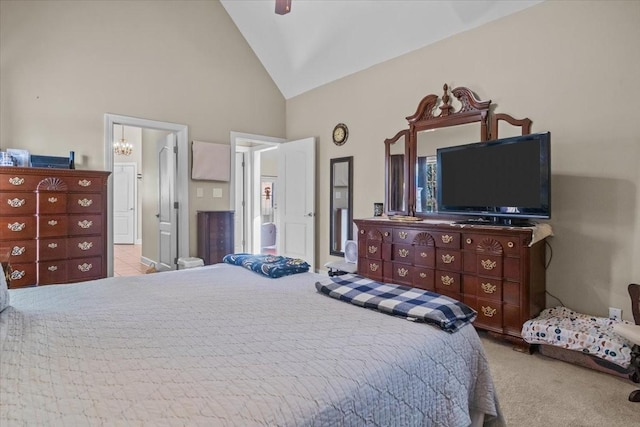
[221,345]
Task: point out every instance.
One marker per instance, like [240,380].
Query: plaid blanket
[449,314]
[268,265]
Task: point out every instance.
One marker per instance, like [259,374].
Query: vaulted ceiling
[320,41]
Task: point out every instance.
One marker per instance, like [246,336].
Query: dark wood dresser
[492,269]
[53,224]
[215,235]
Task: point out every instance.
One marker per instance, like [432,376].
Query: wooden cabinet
[53,224]
[215,235]
[492,269]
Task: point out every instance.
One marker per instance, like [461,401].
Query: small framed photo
[21,157]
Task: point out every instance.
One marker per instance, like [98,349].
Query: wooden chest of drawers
[494,270]
[215,235]
[53,224]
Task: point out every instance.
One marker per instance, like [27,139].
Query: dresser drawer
[447,281]
[23,275]
[52,249]
[402,274]
[424,256]
[446,240]
[18,182]
[402,254]
[84,203]
[52,225]
[403,236]
[489,314]
[53,202]
[14,203]
[424,278]
[494,244]
[85,184]
[81,269]
[371,249]
[448,259]
[85,246]
[52,272]
[370,268]
[80,225]
[489,265]
[482,287]
[17,227]
[20,251]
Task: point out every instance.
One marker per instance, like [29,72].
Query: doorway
[181,192]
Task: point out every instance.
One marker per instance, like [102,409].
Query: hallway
[126,260]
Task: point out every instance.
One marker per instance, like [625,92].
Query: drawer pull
[15,203]
[510,244]
[361,231]
[85,246]
[447,280]
[488,311]
[52,245]
[373,249]
[469,240]
[17,250]
[17,274]
[16,181]
[448,258]
[386,234]
[487,264]
[402,234]
[85,202]
[52,268]
[85,224]
[16,226]
[446,238]
[402,272]
[423,254]
[403,253]
[423,275]
[52,199]
[488,288]
[85,267]
[52,222]
[84,183]
[373,266]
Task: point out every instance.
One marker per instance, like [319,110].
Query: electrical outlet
[615,313]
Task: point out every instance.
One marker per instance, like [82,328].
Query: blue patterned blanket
[449,314]
[268,265]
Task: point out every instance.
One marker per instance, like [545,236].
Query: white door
[296,199]
[124,203]
[167,208]
[238,217]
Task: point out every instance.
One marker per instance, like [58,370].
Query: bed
[222,345]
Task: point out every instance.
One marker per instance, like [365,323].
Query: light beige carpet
[534,390]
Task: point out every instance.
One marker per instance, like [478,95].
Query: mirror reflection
[341,204]
[427,142]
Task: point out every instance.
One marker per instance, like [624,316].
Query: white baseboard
[147,261]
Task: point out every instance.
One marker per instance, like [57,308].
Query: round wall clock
[340,134]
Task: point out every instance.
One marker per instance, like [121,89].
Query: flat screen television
[505,181]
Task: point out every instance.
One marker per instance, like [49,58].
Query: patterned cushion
[447,313]
[268,265]
[562,327]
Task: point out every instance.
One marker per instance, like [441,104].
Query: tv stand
[498,221]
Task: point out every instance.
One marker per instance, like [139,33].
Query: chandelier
[122,147]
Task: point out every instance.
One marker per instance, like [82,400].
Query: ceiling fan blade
[283,7]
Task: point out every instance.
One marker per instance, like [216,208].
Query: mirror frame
[387,172]
[333,162]
[471,110]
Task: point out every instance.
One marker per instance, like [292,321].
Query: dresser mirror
[397,174]
[341,204]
